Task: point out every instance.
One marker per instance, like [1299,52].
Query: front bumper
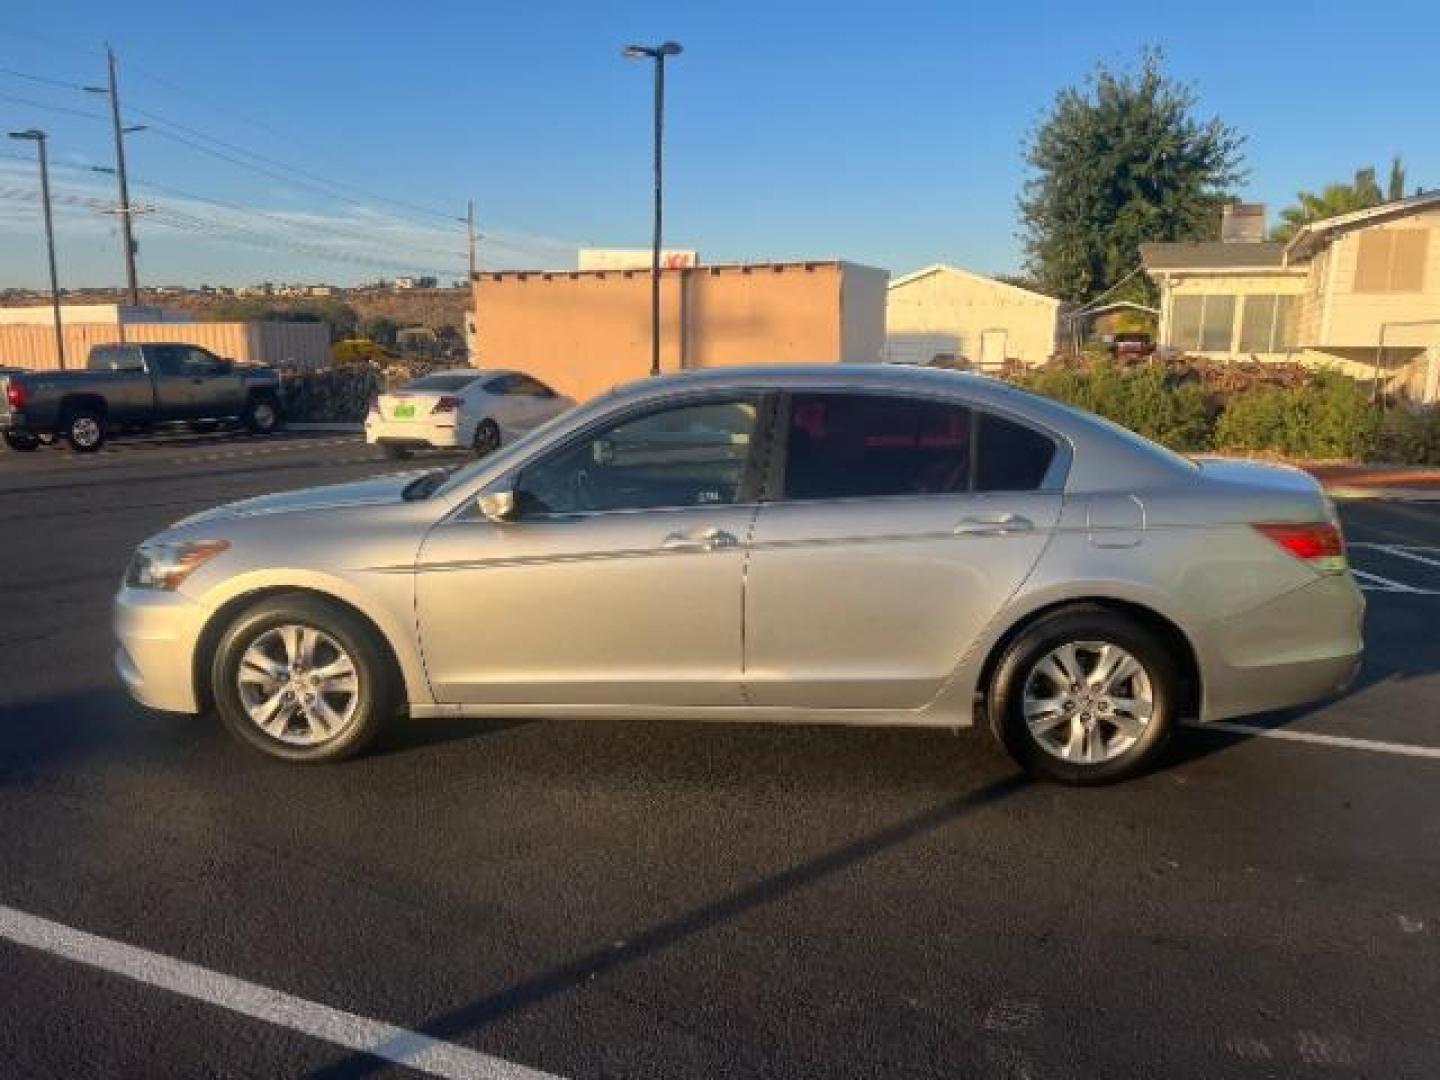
[157,633]
[379,431]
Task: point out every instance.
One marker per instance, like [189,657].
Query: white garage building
[946,313]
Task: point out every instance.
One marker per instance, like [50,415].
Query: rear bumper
[379,431]
[1297,648]
[157,633]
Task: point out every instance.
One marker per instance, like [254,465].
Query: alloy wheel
[1088,702]
[297,684]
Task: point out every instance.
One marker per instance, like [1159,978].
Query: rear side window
[1010,456]
[869,445]
[115,358]
[443,383]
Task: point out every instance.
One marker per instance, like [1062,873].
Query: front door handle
[703,540]
[994,525]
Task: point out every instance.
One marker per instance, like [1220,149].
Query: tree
[1117,162]
[381,329]
[1360,194]
[1395,189]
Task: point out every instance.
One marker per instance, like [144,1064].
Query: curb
[1398,494]
[353,428]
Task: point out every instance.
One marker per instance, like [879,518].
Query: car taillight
[446,404]
[15,395]
[374,403]
[1318,543]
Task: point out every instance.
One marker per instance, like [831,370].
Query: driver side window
[687,455]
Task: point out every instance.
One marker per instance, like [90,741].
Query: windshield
[520,446]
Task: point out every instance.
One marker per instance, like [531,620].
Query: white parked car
[461,408]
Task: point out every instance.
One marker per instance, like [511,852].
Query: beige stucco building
[952,315]
[584,332]
[1360,292]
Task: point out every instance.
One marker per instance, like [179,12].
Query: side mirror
[497,505]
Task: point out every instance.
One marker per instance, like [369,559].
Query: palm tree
[1363,192]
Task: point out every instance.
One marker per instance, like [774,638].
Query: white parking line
[1402,552]
[1341,741]
[1384,584]
[408,1048]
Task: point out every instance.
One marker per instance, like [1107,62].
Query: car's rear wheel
[303,680]
[487,438]
[395,452]
[1084,696]
[22,442]
[84,430]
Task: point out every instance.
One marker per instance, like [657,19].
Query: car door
[541,402]
[619,579]
[170,367]
[503,403]
[216,388]
[896,528]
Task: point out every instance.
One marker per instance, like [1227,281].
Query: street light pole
[657,53]
[125,210]
[37,136]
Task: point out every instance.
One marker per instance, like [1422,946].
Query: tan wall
[278,343]
[585,333]
[1354,319]
[963,306]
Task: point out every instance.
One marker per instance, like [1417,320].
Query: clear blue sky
[884,133]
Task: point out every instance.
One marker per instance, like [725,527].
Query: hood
[376,490]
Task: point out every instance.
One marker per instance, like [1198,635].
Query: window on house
[1267,324]
[1391,260]
[1202,323]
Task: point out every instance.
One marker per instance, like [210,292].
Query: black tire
[378,682]
[263,415]
[84,429]
[204,427]
[396,452]
[22,442]
[1082,624]
[486,439]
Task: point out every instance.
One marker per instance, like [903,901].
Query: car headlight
[165,565]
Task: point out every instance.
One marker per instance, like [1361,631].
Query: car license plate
[404,412]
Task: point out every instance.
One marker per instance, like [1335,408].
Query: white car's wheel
[486,439]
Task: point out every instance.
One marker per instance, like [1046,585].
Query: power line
[41,79]
[31,103]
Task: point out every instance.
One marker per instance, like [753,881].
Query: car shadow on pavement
[579,971]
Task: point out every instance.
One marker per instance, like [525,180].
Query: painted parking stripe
[1384,584]
[408,1048]
[1405,553]
[1342,741]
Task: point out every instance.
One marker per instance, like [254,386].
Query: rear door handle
[994,525]
[703,540]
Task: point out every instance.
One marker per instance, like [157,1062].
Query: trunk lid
[1279,492]
[405,405]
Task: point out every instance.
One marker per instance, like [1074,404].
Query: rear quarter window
[1011,456]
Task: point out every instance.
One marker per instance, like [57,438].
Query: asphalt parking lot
[607,899]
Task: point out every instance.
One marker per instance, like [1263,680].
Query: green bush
[1411,438]
[1329,418]
[1146,400]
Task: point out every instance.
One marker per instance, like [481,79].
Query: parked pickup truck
[135,387]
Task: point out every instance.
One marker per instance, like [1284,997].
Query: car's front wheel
[1084,696]
[303,680]
[262,415]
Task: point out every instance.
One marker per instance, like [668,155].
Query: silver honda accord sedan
[846,544]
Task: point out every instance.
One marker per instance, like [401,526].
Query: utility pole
[125,210]
[657,53]
[470,235]
[37,136]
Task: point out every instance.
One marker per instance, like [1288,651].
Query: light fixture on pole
[37,136]
[657,53]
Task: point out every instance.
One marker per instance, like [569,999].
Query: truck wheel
[84,430]
[262,415]
[22,442]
